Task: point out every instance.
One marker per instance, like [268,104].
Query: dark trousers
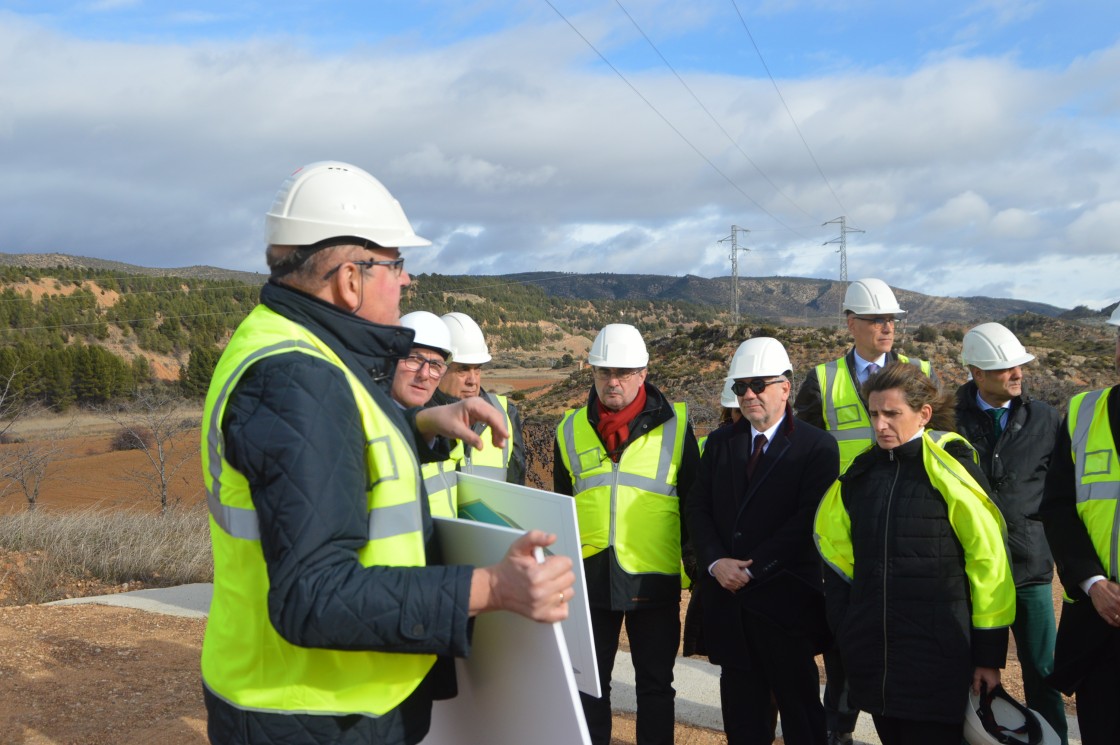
[839,716]
[655,635]
[909,732]
[1098,697]
[1035,632]
[778,661]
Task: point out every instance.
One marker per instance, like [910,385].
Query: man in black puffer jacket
[1014,436]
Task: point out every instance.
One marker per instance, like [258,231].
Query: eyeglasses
[740,387]
[611,373]
[415,362]
[396,265]
[878,321]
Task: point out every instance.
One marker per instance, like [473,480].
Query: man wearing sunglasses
[750,517]
[629,457]
[327,620]
[872,315]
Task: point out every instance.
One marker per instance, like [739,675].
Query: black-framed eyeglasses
[878,321]
[396,265]
[415,362]
[614,373]
[740,387]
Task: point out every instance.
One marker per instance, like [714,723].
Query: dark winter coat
[768,520]
[609,586]
[1082,633]
[903,626]
[1015,464]
[292,428]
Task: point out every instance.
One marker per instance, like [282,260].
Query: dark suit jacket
[1082,633]
[768,520]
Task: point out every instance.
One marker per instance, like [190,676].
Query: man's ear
[346,287]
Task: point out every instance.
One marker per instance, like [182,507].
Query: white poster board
[525,508]
[517,685]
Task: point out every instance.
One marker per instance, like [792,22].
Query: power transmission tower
[735,249]
[843,241]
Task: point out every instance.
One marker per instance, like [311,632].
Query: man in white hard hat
[830,398]
[629,457]
[326,621]
[750,518]
[414,383]
[1014,435]
[1080,505]
[464,380]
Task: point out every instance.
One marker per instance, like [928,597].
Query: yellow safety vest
[631,505]
[244,660]
[441,484]
[1097,475]
[490,461]
[845,416]
[974,517]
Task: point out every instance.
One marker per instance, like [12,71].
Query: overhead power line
[711,116]
[671,126]
[789,113]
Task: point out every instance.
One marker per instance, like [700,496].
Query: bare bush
[113,546]
[132,438]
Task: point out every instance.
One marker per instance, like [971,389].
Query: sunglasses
[740,387]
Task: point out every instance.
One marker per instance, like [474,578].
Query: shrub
[135,438]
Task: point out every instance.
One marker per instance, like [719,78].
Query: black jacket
[1015,465]
[903,625]
[768,519]
[609,586]
[807,406]
[292,428]
[1082,633]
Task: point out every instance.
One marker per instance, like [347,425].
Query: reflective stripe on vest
[490,461]
[642,486]
[440,481]
[245,661]
[1096,475]
[845,416]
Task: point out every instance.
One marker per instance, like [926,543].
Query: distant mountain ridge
[788,300]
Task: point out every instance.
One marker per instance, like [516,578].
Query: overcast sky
[975,143]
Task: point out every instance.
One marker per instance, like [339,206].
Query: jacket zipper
[614,502]
[886,552]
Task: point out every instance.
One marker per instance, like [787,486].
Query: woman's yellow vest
[490,462]
[631,505]
[845,416]
[244,660]
[974,517]
[1096,474]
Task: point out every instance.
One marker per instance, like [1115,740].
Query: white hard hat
[992,346]
[759,357]
[1115,319]
[329,199]
[430,331]
[618,345]
[999,714]
[728,399]
[869,297]
[468,345]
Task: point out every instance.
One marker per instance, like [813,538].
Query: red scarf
[614,426]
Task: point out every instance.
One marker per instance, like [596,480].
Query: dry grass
[109,546]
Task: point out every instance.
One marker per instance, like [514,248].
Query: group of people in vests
[898,529]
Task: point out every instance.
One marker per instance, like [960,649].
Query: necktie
[997,420]
[870,370]
[756,454]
